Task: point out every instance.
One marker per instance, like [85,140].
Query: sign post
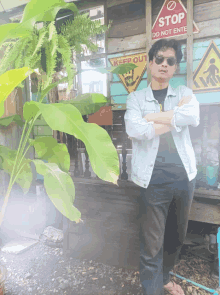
[171,21]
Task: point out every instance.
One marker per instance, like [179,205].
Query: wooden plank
[108,76]
[207,11]
[84,5]
[127,11]
[189,43]
[111,3]
[156,5]
[113,210]
[148,35]
[126,44]
[205,213]
[131,43]
[130,28]
[202,192]
[203,10]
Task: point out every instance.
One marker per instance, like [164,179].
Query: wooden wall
[129,26]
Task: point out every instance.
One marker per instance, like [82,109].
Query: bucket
[212,175]
[3,276]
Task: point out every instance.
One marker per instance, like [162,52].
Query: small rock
[28,275]
[30,289]
[64,285]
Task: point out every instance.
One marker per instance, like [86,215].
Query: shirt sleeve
[136,126]
[187,114]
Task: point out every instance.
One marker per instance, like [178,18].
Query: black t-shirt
[168,165]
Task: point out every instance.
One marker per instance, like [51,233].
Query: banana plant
[64,117]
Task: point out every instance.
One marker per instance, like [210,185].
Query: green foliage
[7,160]
[79,32]
[8,120]
[51,86]
[48,149]
[102,153]
[8,82]
[87,103]
[121,69]
[44,11]
[35,11]
[45,48]
[59,187]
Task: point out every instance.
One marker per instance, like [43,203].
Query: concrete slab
[18,246]
[24,234]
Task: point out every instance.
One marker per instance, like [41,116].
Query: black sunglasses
[160,58]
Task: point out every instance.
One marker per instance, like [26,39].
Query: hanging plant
[50,48]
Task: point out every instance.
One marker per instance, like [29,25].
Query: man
[163,165]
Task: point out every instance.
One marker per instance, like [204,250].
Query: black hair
[164,44]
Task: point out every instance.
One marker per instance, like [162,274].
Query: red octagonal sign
[171,21]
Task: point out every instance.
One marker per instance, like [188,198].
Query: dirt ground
[44,270]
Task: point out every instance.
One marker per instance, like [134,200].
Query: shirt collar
[150,96]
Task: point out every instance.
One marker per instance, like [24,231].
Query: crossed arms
[154,124]
[162,120]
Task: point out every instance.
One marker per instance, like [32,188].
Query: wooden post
[79,76]
[148,35]
[190,43]
[106,52]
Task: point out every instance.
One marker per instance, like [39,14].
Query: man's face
[163,72]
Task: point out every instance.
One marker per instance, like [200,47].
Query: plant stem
[18,152]
[22,154]
[17,169]
[2,213]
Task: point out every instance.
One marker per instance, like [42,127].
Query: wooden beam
[190,43]
[106,51]
[148,34]
[79,77]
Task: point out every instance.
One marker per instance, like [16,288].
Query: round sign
[171,5]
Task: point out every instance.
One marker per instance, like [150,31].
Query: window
[92,80]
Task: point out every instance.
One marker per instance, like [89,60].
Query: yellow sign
[132,79]
[207,75]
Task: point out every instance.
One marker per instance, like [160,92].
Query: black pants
[164,212]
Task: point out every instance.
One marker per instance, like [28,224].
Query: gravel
[44,270]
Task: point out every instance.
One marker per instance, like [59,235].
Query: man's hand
[184,100]
[150,117]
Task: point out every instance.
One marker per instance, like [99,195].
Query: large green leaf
[47,148]
[119,70]
[60,188]
[87,103]
[8,120]
[30,110]
[102,153]
[8,82]
[35,11]
[7,162]
[13,31]
[41,10]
